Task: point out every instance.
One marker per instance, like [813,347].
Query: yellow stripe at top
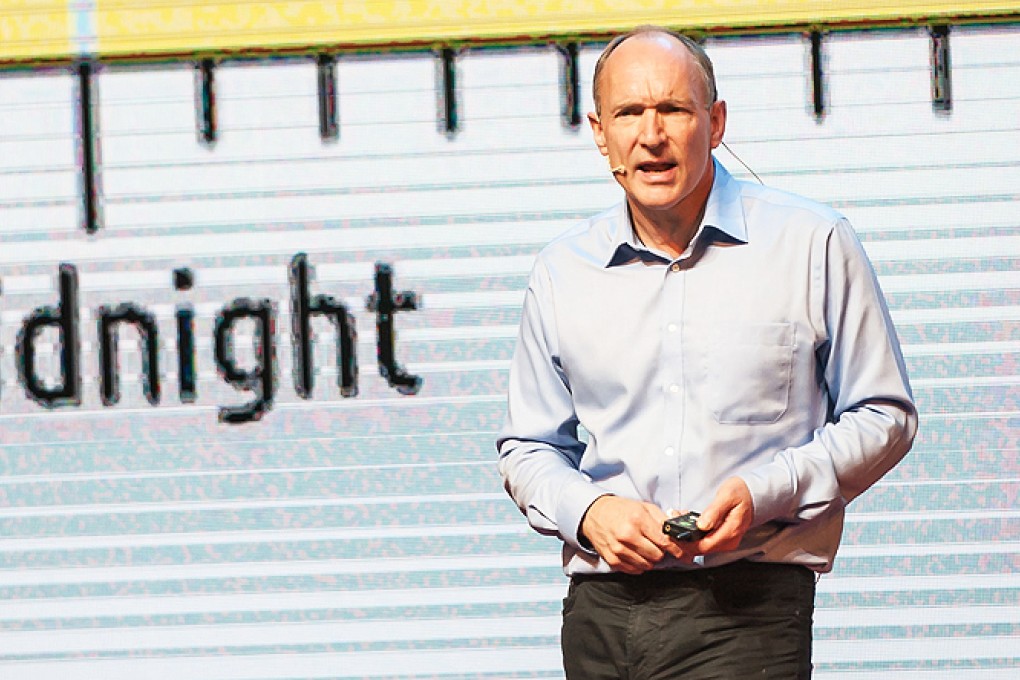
[151,28]
[35,29]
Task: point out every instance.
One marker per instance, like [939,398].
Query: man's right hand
[627,534]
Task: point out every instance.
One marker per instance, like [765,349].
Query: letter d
[65,317]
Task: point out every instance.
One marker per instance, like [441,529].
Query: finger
[670,546]
[718,541]
[727,536]
[636,551]
[629,562]
[636,566]
[645,552]
[676,550]
[714,515]
[645,537]
[673,547]
[648,550]
[653,543]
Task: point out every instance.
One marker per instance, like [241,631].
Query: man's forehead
[651,47]
[661,57]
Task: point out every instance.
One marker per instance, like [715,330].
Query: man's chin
[656,201]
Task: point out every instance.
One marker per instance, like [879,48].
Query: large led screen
[247,421]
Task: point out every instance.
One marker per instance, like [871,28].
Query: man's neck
[667,233]
[671,231]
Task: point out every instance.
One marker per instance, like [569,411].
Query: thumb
[709,518]
[729,497]
[716,512]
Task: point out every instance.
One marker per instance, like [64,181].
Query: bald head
[665,36]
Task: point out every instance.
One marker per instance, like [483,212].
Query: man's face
[657,123]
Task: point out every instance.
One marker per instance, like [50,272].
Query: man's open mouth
[656,166]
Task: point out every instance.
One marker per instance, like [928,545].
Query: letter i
[184,279]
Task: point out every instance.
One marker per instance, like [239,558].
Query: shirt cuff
[575,500]
[772,492]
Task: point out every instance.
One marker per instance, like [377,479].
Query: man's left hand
[727,518]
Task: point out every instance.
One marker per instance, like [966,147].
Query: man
[707,345]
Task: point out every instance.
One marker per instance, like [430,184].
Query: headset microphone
[618,170]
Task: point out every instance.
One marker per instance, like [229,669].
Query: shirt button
[668,451]
[671,328]
[674,388]
[675,267]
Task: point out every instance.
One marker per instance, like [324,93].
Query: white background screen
[368,535]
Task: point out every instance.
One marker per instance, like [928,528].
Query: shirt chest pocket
[747,370]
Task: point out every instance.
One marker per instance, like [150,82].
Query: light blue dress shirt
[765,351]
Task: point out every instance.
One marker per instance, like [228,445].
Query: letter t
[385,304]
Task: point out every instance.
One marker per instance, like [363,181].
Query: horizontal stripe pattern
[369,536]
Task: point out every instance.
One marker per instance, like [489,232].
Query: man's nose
[651,133]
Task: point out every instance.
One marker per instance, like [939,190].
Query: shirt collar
[723,221]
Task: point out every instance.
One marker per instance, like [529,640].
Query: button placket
[671,380]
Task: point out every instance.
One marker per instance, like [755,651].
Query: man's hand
[727,518]
[627,534]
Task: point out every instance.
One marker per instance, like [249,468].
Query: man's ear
[598,133]
[717,115]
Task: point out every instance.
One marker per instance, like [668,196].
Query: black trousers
[738,621]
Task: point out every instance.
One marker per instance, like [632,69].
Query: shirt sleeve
[539,448]
[873,419]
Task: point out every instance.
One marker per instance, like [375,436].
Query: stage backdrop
[231,506]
